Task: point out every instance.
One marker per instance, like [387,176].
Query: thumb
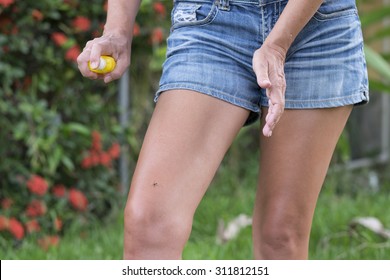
[95,56]
[263,82]
[261,71]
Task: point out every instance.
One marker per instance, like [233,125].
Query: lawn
[344,197]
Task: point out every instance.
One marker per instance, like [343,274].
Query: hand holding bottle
[106,57]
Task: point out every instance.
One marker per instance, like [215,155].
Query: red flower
[95,158]
[105,159]
[6,3]
[86,162]
[6,203]
[73,53]
[114,150]
[37,15]
[78,200]
[157,35]
[57,224]
[37,185]
[96,141]
[159,8]
[16,228]
[136,30]
[59,38]
[81,23]
[48,241]
[36,208]
[59,191]
[33,226]
[4,223]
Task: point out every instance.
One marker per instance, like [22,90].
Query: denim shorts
[211,45]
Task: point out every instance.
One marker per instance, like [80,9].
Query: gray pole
[123,105]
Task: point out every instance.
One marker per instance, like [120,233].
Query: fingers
[274,114]
[269,70]
[117,47]
[95,53]
[261,70]
[121,66]
[82,62]
[276,102]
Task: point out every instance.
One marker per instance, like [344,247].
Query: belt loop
[223,5]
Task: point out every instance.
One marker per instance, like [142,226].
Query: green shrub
[59,136]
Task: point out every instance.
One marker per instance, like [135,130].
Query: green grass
[332,238]
[98,242]
[341,200]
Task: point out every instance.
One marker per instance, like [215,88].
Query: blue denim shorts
[211,45]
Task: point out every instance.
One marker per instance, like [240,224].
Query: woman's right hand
[117,46]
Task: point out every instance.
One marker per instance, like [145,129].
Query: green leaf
[77,127]
[54,159]
[68,163]
[26,108]
[377,63]
[20,131]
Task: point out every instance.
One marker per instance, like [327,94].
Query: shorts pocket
[191,13]
[333,11]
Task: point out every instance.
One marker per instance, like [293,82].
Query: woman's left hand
[268,65]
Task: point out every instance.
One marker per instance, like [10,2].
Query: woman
[227,62]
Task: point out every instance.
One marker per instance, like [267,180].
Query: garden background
[61,138]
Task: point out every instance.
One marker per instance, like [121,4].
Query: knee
[148,233]
[281,242]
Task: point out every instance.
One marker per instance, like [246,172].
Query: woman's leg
[188,136]
[293,165]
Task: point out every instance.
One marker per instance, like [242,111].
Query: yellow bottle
[107,64]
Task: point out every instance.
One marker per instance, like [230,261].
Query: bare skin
[186,140]
[188,135]
[190,132]
[293,165]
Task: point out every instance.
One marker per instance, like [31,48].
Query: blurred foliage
[375,18]
[56,125]
[375,23]
[49,113]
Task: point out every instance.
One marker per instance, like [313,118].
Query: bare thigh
[293,166]
[188,135]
